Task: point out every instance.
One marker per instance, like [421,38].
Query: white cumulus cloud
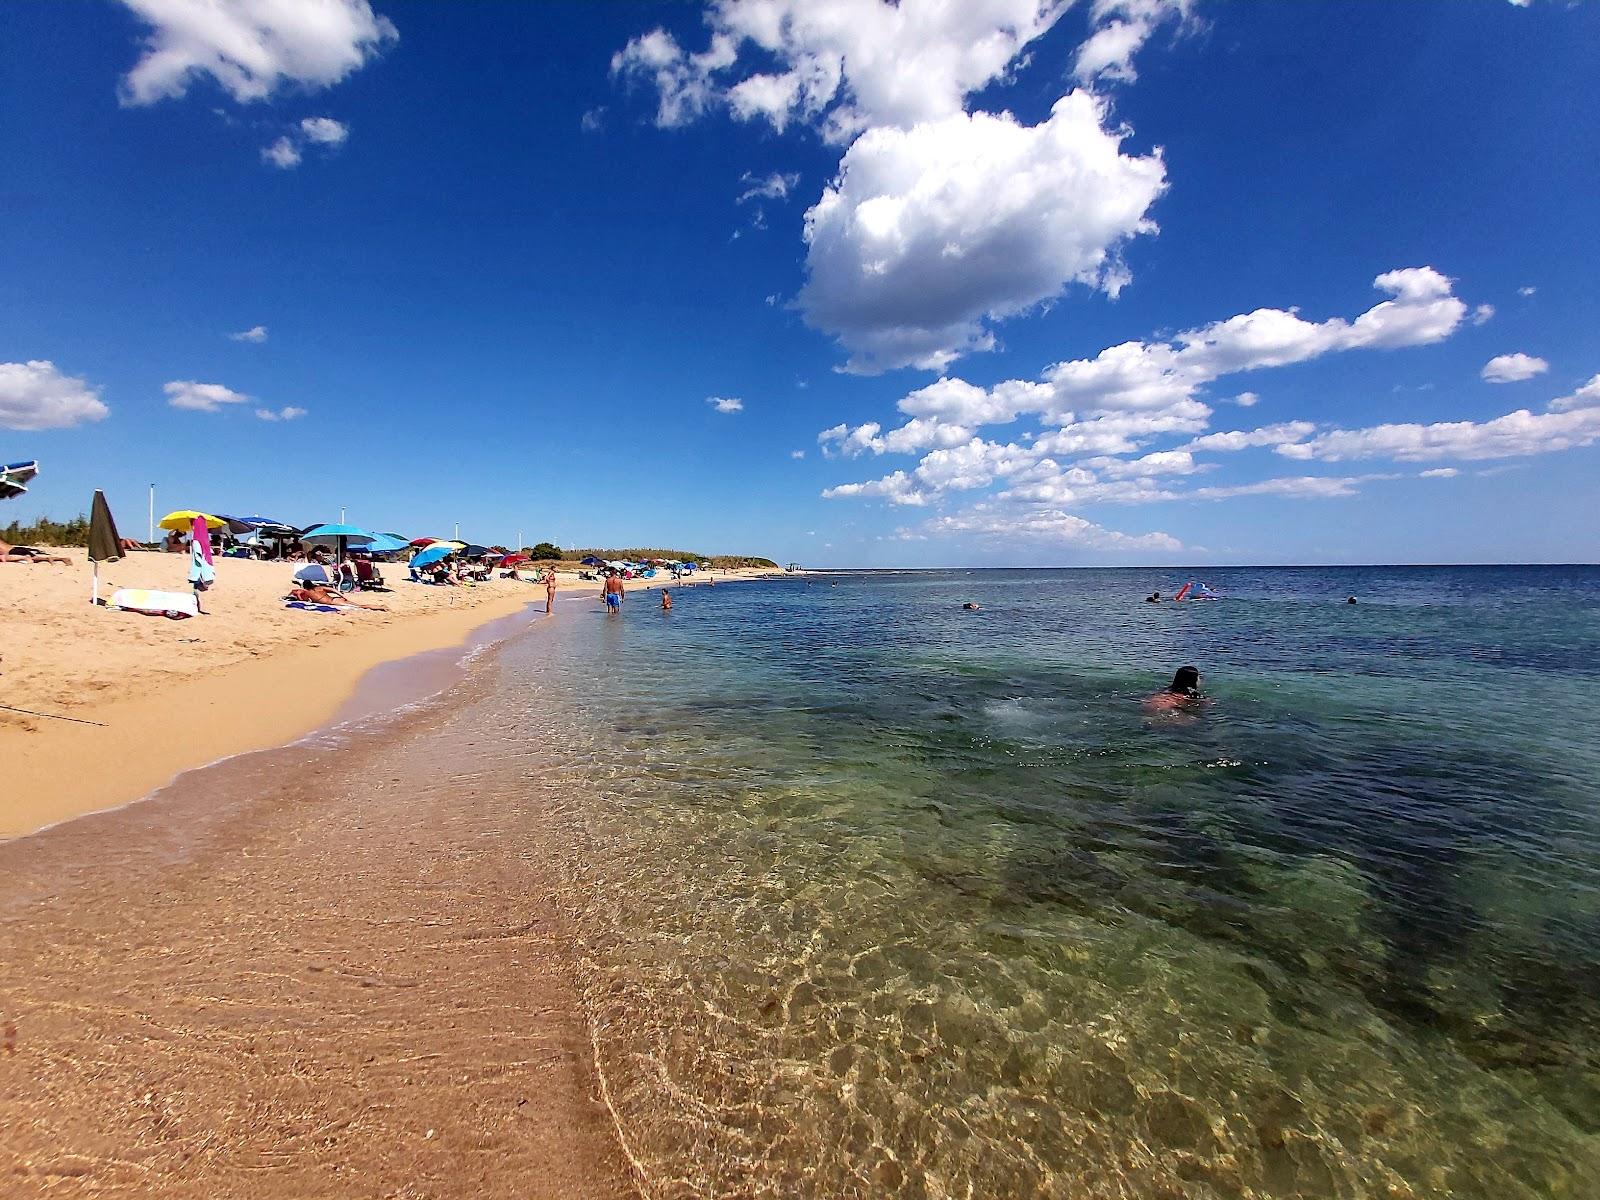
[201,397]
[1267,435]
[1587,396]
[1438,473]
[251,47]
[35,395]
[841,64]
[928,233]
[939,221]
[1513,368]
[256,334]
[283,153]
[1121,27]
[325,131]
[1042,523]
[1130,392]
[726,404]
[287,413]
[1515,435]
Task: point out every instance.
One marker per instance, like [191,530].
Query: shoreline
[168,723]
[154,737]
[302,972]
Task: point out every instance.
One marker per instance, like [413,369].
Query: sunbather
[29,555]
[316,594]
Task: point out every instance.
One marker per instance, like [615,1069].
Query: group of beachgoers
[613,592]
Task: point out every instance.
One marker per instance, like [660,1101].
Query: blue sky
[988,281]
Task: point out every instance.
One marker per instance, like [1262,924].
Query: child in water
[666,600]
[1182,694]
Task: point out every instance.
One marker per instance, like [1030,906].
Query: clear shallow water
[878,896]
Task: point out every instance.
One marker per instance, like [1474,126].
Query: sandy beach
[290,976]
[286,975]
[169,695]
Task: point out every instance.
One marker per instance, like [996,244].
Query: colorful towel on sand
[308,606]
[160,604]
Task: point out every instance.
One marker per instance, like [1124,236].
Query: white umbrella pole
[94,589]
[152,513]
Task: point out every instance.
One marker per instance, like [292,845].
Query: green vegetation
[724,562]
[45,532]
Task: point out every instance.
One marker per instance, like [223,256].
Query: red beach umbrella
[423,541]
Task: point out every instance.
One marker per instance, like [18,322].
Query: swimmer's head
[1186,682]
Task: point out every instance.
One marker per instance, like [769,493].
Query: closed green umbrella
[105,545]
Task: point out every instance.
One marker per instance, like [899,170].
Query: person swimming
[1153,598]
[1182,693]
[970,606]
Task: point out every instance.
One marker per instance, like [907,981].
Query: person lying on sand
[1182,694]
[316,594]
[30,555]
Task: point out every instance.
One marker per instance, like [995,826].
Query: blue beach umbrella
[386,543]
[426,558]
[329,534]
[341,536]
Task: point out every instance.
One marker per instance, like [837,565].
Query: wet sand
[298,974]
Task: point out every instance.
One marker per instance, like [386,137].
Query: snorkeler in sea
[1182,693]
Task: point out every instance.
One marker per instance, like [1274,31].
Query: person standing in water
[666,600]
[613,592]
[1182,694]
[549,590]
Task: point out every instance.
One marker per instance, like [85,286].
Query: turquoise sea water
[878,896]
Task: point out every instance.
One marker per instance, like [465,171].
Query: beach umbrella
[512,560]
[312,573]
[15,477]
[183,520]
[429,556]
[592,561]
[335,534]
[385,543]
[419,542]
[330,533]
[105,544]
[473,551]
[264,525]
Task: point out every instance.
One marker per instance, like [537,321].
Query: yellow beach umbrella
[452,545]
[183,520]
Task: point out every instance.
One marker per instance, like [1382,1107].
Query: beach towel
[202,574]
[308,606]
[159,604]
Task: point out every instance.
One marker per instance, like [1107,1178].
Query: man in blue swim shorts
[613,592]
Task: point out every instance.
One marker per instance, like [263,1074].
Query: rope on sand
[52,716]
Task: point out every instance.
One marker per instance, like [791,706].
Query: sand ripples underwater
[881,897]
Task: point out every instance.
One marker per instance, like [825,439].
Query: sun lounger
[368,578]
